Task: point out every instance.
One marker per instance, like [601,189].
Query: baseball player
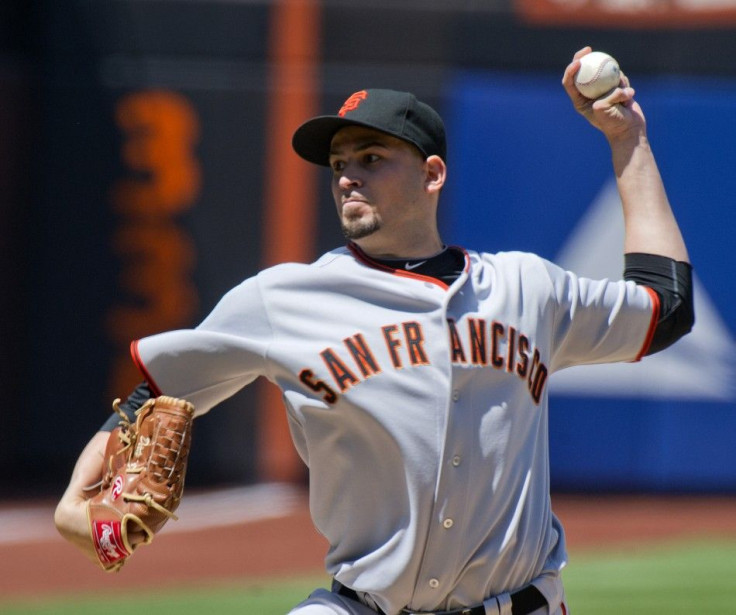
[415,374]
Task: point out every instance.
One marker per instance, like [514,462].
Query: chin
[358,229]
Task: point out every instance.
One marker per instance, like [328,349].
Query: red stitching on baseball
[597,73]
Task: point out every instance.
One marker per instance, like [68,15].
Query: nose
[349,178]
[346,183]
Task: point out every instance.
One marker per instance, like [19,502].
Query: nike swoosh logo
[410,266]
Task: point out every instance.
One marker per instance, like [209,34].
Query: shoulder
[516,272]
[331,261]
[327,272]
[511,262]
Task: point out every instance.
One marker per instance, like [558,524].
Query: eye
[337,166]
[371,158]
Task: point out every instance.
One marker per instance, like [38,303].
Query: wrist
[628,139]
[632,150]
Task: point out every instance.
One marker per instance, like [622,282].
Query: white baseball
[599,73]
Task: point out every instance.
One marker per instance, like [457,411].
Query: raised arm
[650,225]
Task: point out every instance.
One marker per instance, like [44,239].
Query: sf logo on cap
[351,104]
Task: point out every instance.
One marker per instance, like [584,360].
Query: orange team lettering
[510,351]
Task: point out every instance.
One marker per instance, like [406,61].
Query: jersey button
[434,583]
[456,460]
[455,395]
[448,523]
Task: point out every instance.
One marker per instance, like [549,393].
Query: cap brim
[313,138]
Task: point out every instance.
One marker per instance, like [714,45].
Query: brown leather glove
[145,466]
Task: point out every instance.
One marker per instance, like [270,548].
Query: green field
[698,577]
[685,578]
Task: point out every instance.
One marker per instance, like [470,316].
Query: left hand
[70,516]
[617,115]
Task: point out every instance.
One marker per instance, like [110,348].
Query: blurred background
[146,168]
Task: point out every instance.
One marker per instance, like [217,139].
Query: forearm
[650,225]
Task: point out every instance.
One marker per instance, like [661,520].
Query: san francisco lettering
[474,343]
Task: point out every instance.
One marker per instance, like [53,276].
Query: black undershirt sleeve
[673,282]
[140,395]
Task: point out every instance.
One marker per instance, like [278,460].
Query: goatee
[359,230]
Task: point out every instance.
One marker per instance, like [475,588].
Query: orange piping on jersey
[466,269]
[652,323]
[142,368]
[402,273]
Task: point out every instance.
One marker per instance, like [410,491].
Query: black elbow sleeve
[673,282]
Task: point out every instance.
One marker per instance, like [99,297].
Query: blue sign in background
[524,168]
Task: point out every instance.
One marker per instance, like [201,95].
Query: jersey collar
[361,256]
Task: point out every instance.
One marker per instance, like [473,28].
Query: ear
[436,173]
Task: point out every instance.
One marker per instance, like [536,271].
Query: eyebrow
[361,146]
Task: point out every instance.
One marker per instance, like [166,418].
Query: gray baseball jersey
[420,409]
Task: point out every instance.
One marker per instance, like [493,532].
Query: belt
[523,602]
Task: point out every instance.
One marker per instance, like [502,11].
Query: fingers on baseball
[582,52]
[625,83]
[619,96]
[574,65]
[568,82]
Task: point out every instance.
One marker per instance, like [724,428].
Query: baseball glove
[143,480]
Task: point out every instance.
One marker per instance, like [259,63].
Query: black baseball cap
[399,114]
